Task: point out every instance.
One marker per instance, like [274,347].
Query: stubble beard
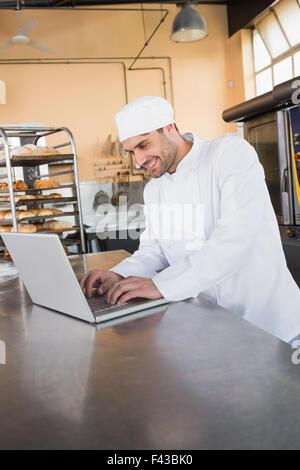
[168,157]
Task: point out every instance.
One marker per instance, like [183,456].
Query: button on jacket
[235,257]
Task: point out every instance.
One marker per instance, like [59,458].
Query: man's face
[154,151]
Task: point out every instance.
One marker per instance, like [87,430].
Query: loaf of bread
[3,185]
[19,184]
[56,225]
[34,211]
[44,212]
[25,197]
[39,226]
[45,184]
[24,214]
[5,228]
[30,150]
[2,214]
[56,211]
[23,151]
[27,228]
[8,215]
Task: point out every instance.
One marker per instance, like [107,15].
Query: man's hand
[131,287]
[101,279]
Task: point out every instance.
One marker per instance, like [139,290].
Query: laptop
[48,276]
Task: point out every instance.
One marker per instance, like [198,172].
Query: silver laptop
[50,280]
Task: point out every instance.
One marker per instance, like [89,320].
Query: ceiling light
[188,25]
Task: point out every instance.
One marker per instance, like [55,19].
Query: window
[276,45]
[264,81]
[296,58]
[261,56]
[283,71]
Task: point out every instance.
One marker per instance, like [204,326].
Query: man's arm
[243,195]
[149,259]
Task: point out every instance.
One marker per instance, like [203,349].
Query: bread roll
[47,183]
[19,184]
[24,214]
[25,197]
[34,211]
[5,228]
[2,214]
[48,224]
[44,212]
[4,185]
[8,215]
[39,226]
[57,225]
[57,211]
[27,228]
[21,151]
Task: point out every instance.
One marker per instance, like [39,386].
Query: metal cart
[31,172]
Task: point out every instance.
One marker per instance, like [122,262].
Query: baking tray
[37,218]
[34,160]
[34,202]
[30,190]
[70,229]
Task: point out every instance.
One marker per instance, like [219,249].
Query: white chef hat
[142,115]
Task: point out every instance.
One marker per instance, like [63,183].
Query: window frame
[289,53]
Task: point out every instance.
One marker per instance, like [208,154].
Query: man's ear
[169,129]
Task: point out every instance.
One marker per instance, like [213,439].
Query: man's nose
[140,158]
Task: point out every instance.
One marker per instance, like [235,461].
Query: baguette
[27,228]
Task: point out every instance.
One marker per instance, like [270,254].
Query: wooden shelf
[119,179]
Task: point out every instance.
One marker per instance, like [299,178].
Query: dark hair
[161,129]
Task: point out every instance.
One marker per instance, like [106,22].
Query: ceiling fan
[22,35]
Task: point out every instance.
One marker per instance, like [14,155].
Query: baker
[210,225]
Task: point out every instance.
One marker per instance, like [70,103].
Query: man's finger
[132,294]
[103,288]
[91,281]
[117,289]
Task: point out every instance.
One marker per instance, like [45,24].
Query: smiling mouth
[151,165]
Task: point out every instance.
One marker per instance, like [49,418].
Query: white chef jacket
[237,258]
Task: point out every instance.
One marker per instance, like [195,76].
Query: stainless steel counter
[190,376]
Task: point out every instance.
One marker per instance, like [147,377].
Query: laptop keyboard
[97,304]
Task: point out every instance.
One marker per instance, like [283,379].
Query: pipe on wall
[280,97]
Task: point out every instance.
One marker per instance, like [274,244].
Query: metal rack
[32,164]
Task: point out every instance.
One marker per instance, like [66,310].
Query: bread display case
[39,187]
